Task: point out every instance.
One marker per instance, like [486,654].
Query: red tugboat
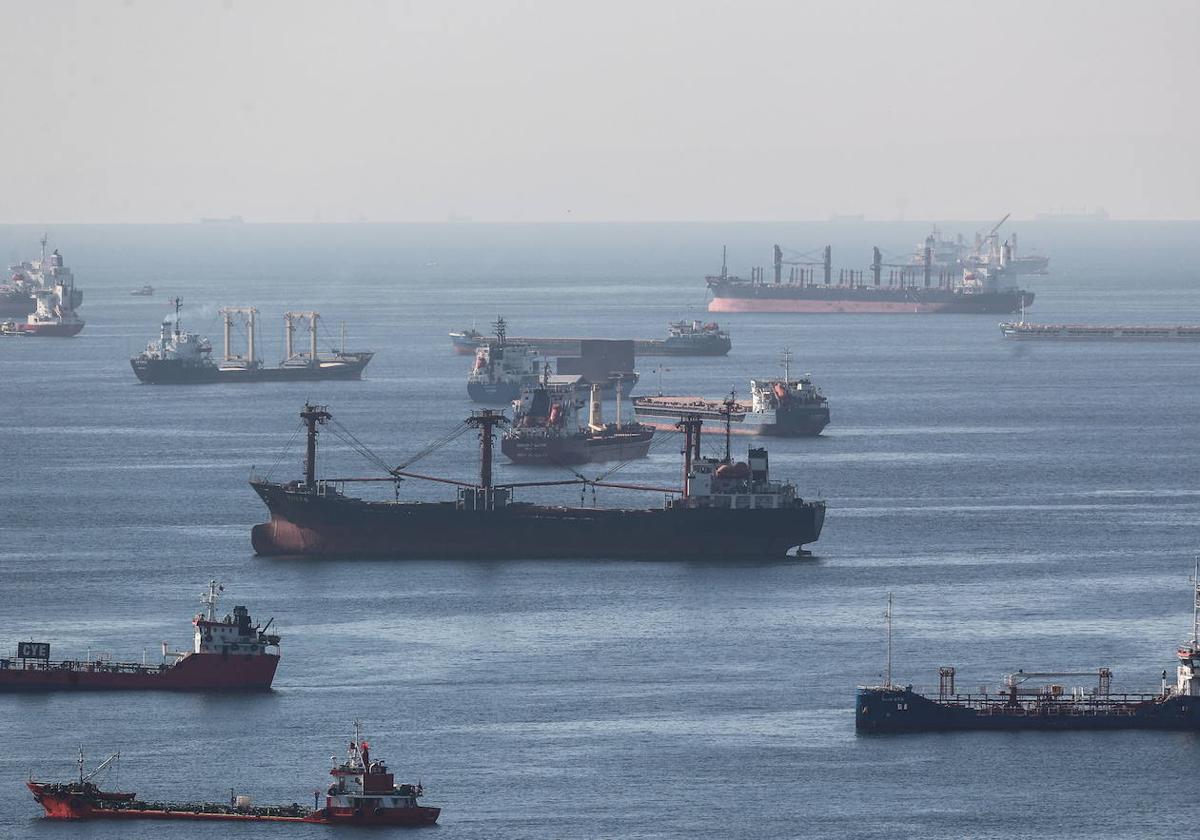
[363,792]
[228,654]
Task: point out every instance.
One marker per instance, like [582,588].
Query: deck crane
[796,258]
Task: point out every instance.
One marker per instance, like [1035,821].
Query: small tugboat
[363,792]
[185,358]
[1023,702]
[778,407]
[227,654]
[545,429]
[144,291]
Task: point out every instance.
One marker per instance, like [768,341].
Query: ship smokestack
[595,412]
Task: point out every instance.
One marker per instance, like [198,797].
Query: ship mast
[486,421]
[727,408]
[786,355]
[690,425]
[1196,605]
[887,679]
[312,415]
[209,599]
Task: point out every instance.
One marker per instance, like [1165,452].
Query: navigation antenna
[786,355]
[887,679]
[210,598]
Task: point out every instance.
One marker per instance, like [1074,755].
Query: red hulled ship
[228,654]
[363,792]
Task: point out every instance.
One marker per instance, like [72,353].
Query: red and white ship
[363,792]
[228,654]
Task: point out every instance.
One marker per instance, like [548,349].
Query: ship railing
[74,666]
[1047,704]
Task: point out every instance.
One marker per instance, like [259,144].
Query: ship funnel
[595,411]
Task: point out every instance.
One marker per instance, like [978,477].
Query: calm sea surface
[1030,506]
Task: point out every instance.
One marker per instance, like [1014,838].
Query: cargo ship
[229,653]
[545,430]
[504,368]
[723,511]
[363,793]
[185,358]
[18,297]
[987,251]
[684,338]
[1026,701]
[984,289]
[784,407]
[1025,331]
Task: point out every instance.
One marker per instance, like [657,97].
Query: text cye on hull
[228,654]
[1027,702]
[723,511]
[363,793]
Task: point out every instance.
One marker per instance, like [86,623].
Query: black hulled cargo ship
[1027,701]
[185,358]
[723,511]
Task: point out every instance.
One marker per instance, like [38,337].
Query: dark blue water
[1030,506]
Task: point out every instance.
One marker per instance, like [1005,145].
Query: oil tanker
[229,653]
[986,289]
[185,358]
[1027,701]
[363,793]
[723,511]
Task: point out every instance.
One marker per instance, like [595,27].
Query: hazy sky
[161,110]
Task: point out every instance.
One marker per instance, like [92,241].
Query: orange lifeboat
[734,472]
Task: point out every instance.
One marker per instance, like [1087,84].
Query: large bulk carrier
[185,358]
[363,793]
[1027,701]
[990,288]
[228,653]
[723,511]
